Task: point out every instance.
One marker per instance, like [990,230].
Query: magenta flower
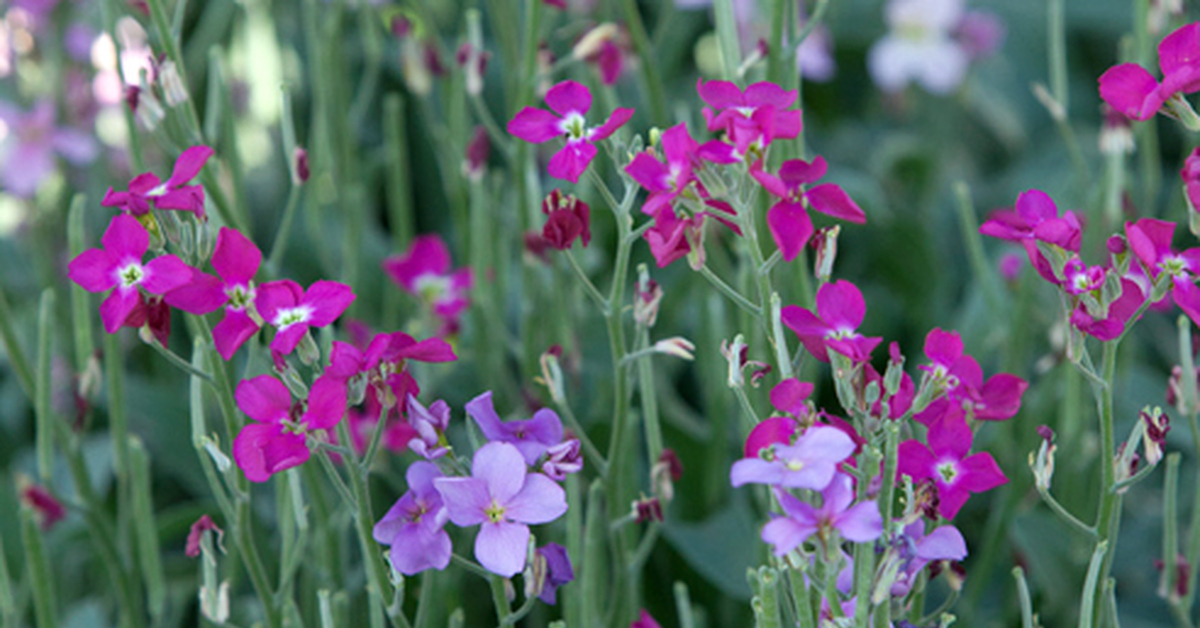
[291,310]
[808,463]
[413,526]
[858,523]
[1079,278]
[196,535]
[1119,313]
[119,265]
[751,119]
[841,310]
[147,188]
[665,181]
[1131,90]
[644,620]
[1035,219]
[946,463]
[788,220]
[32,143]
[673,236]
[532,437]
[570,101]
[505,499]
[384,364]
[424,270]
[236,260]
[567,218]
[1150,241]
[1190,173]
[275,441]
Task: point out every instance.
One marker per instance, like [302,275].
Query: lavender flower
[413,525]
[858,523]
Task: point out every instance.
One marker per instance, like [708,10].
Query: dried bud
[1157,424]
[149,111]
[1183,573]
[552,376]
[42,502]
[196,535]
[1043,463]
[735,354]
[647,509]
[214,603]
[568,218]
[825,241]
[174,91]
[300,171]
[646,298]
[590,44]
[475,162]
[677,346]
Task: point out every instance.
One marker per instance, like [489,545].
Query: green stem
[1109,513]
[649,397]
[283,235]
[42,409]
[651,81]
[729,291]
[16,355]
[727,38]
[1023,595]
[38,569]
[1089,605]
[588,286]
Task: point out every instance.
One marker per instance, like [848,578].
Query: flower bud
[197,534]
[563,459]
[1043,463]
[590,44]
[474,164]
[45,506]
[1157,424]
[174,91]
[735,354]
[825,241]
[552,376]
[646,298]
[677,346]
[665,472]
[300,169]
[647,509]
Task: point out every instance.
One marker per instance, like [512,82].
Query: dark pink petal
[1180,50]
[202,294]
[915,460]
[466,499]
[94,270]
[189,164]
[790,227]
[275,295]
[535,125]
[502,467]
[789,395]
[718,152]
[189,198]
[326,403]
[571,160]
[809,328]
[426,255]
[981,473]
[772,431]
[1034,206]
[951,436]
[1005,224]
[541,500]
[951,498]
[1187,296]
[125,238]
[264,399]
[501,547]
[235,329]
[1126,88]
[770,182]
[328,299]
[165,273]
[786,125]
[235,257]
[143,183]
[943,347]
[1150,240]
[767,93]
[429,350]
[115,199]
[117,307]
[286,340]
[261,450]
[677,144]
[831,199]
[619,117]
[720,94]
[857,348]
[841,305]
[1000,397]
[797,172]
[649,172]
[569,97]
[1059,232]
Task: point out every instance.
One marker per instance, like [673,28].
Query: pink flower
[665,181]
[384,364]
[752,118]
[291,310]
[424,271]
[788,220]
[236,260]
[946,463]
[675,234]
[841,310]
[32,143]
[568,218]
[173,194]
[858,522]
[1119,313]
[1150,241]
[1190,173]
[119,265]
[275,441]
[570,101]
[1130,89]
[1035,219]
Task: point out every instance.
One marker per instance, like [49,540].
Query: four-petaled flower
[751,118]
[172,194]
[789,222]
[504,499]
[946,462]
[119,265]
[859,522]
[666,181]
[532,437]
[275,441]
[1131,90]
[1150,241]
[808,463]
[413,526]
[291,310]
[1035,219]
[570,101]
[841,310]
[424,271]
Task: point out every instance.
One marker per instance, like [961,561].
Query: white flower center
[288,316]
[240,296]
[948,471]
[574,126]
[131,275]
[432,288]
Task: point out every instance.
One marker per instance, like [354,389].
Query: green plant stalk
[114,372]
[727,38]
[42,408]
[651,82]
[499,599]
[38,570]
[1108,519]
[649,397]
[16,356]
[1023,596]
[1057,34]
[776,58]
[8,603]
[768,593]
[399,184]
[1089,605]
[146,531]
[1170,540]
[81,311]
[971,237]
[590,590]
[572,601]
[283,235]
[1187,364]
[801,600]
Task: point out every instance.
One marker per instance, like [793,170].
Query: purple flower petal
[275,295]
[189,164]
[571,160]
[981,473]
[541,500]
[797,172]
[93,270]
[720,94]
[502,467]
[235,329]
[944,543]
[785,534]
[261,450]
[165,273]
[861,523]
[466,499]
[841,305]
[264,399]
[502,547]
[427,255]
[235,257]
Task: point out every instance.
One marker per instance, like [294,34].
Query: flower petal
[125,238]
[261,450]
[328,300]
[616,120]
[326,403]
[831,199]
[189,164]
[541,500]
[264,399]
[165,273]
[235,258]
[93,270]
[501,547]
[1126,88]
[569,97]
[202,294]
[790,227]
[535,125]
[501,466]
[466,499]
[235,329]
[571,160]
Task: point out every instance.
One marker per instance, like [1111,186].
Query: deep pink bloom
[570,101]
[397,434]
[1119,313]
[644,620]
[196,535]
[788,220]
[505,499]
[675,234]
[1079,278]
[424,270]
[413,526]
[946,463]
[147,188]
[1130,89]
[789,396]
[45,505]
[291,310]
[777,430]
[384,364]
[567,218]
[752,118]
[858,522]
[809,463]
[236,260]
[665,181]
[275,441]
[532,437]
[1190,173]
[32,142]
[1035,219]
[840,310]
[119,265]
[1150,241]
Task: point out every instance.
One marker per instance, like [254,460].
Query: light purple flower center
[288,316]
[131,275]
[574,126]
[947,471]
[494,512]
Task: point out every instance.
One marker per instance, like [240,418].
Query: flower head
[788,219]
[174,193]
[424,270]
[858,523]
[665,181]
[946,462]
[751,119]
[840,310]
[1130,89]
[1035,219]
[413,526]
[532,437]
[808,463]
[569,101]
[567,218]
[292,310]
[275,441]
[1150,241]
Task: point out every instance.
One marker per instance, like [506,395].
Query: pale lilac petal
[785,534]
[235,329]
[466,499]
[942,66]
[535,125]
[616,120]
[501,547]
[417,547]
[165,273]
[501,466]
[861,523]
[93,270]
[831,199]
[944,543]
[541,500]
[890,62]
[755,471]
[261,450]
[569,97]
[264,399]
[483,411]
[326,403]
[125,238]
[839,494]
[571,160]
[189,164]
[117,307]
[76,147]
[790,227]
[235,257]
